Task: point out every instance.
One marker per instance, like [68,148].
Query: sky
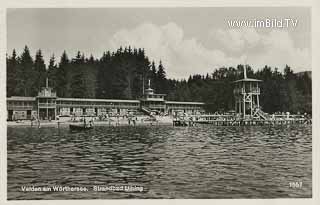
[187,40]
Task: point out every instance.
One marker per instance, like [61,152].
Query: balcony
[184,108]
[47,93]
[47,105]
[243,91]
[155,106]
[76,105]
[20,107]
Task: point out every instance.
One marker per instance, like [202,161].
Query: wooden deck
[233,120]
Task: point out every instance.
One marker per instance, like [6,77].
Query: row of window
[155,96]
[20,103]
[66,103]
[46,100]
[95,103]
[183,107]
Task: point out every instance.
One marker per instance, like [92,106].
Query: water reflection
[180,162]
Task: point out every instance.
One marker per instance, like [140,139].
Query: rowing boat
[80,127]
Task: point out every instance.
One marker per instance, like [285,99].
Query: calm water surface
[169,162]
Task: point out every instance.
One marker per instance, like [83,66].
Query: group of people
[132,119]
[36,120]
[88,123]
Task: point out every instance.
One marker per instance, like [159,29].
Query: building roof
[152,99]
[156,94]
[21,98]
[184,103]
[247,80]
[97,100]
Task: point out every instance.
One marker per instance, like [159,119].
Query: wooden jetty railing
[236,120]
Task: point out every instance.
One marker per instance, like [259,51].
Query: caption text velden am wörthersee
[114,188]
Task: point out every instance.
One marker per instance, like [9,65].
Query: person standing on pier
[118,119]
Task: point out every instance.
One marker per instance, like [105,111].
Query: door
[28,114]
[10,114]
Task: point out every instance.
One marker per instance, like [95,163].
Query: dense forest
[121,74]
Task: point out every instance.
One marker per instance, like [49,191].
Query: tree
[52,72]
[61,76]
[120,75]
[103,89]
[39,71]
[75,77]
[161,74]
[153,73]
[161,84]
[25,75]
[77,86]
[12,63]
[288,73]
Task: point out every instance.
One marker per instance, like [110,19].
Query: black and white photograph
[159,103]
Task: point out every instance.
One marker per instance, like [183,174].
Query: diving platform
[247,110]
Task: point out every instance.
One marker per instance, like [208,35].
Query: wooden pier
[234,120]
[247,112]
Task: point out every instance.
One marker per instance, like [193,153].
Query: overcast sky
[187,40]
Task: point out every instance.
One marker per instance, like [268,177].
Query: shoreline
[64,124]
[146,121]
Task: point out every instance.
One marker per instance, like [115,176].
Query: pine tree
[25,75]
[90,77]
[77,86]
[161,74]
[161,85]
[119,75]
[52,72]
[61,76]
[103,89]
[12,63]
[39,71]
[288,73]
[153,74]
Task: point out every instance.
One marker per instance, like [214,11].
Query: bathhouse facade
[47,106]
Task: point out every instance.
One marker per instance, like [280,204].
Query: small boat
[80,127]
[150,119]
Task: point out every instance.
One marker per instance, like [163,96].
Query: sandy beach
[112,121]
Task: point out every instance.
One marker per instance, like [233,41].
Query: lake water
[167,162]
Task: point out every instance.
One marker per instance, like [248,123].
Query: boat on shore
[86,125]
[80,127]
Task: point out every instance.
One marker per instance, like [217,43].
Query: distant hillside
[309,73]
